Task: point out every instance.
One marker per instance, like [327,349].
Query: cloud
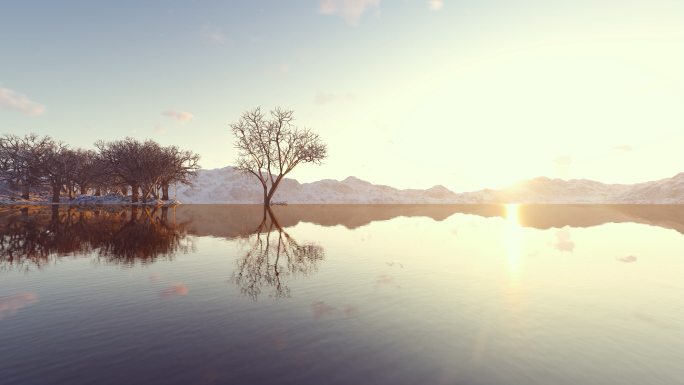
[628,259]
[435,5]
[213,34]
[159,129]
[350,10]
[181,117]
[562,160]
[325,98]
[562,163]
[10,100]
[174,291]
[10,305]
[623,148]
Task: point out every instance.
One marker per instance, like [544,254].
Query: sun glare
[512,235]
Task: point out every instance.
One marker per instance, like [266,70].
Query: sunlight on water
[379,294]
[512,235]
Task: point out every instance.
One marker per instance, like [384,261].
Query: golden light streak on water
[512,234]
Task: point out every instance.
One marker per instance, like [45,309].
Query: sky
[407,93]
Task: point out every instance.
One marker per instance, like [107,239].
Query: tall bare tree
[271,148]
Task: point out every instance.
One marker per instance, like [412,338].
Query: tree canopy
[147,166]
[270,148]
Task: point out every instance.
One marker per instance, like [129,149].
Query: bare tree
[126,160]
[270,148]
[21,159]
[57,167]
[86,172]
[147,165]
[181,166]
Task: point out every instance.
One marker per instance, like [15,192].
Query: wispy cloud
[213,34]
[562,160]
[325,98]
[435,5]
[623,148]
[159,129]
[349,10]
[10,100]
[562,163]
[181,117]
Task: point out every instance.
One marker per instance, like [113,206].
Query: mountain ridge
[227,185]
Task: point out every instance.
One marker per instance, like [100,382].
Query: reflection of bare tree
[38,235]
[272,258]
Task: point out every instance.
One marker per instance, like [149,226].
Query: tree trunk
[267,198]
[134,194]
[55,193]
[84,190]
[98,191]
[124,190]
[274,187]
[25,191]
[165,191]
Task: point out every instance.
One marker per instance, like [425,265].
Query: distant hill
[225,185]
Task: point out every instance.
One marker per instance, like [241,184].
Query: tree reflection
[271,257]
[40,235]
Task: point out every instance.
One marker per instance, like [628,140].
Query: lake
[342,294]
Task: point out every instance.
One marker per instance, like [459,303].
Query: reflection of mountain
[36,235]
[225,185]
[556,216]
[230,221]
[271,257]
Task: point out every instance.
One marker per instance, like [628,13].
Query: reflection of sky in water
[10,305]
[402,301]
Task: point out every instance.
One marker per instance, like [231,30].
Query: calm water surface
[221,294]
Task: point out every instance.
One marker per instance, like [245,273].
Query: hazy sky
[466,94]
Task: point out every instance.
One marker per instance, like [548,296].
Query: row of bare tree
[146,167]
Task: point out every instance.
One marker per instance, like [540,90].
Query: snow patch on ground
[116,199]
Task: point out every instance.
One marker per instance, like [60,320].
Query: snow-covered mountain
[226,185]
